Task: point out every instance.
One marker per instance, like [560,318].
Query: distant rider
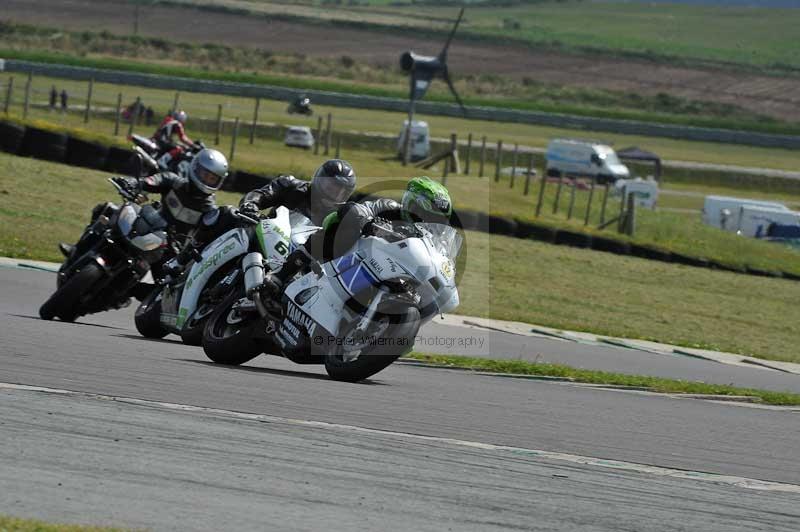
[424,200]
[168,148]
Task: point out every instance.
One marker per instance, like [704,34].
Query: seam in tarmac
[729,480]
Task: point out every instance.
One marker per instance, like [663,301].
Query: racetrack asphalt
[317,457]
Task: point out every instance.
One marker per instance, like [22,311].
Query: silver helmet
[180,116]
[331,185]
[208,170]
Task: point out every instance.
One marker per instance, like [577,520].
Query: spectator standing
[53,97]
[64,99]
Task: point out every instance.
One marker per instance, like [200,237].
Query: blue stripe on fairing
[346,262]
[360,280]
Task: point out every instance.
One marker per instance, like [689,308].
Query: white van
[582,158]
[420,147]
[724,212]
[754,221]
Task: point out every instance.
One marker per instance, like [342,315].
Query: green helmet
[426,200]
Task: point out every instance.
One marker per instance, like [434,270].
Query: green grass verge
[654,384]
[675,232]
[393,91]
[42,203]
[16,524]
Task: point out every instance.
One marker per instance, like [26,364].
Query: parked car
[299,137]
[580,158]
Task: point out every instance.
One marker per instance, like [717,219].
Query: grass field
[657,31]
[348,119]
[43,203]
[15,524]
[677,232]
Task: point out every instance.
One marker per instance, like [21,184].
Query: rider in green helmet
[424,200]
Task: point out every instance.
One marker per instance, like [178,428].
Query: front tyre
[65,303]
[391,336]
[148,316]
[227,334]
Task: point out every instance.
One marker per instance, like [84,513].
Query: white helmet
[208,170]
[180,116]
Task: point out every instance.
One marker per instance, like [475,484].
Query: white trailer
[724,212]
[754,221]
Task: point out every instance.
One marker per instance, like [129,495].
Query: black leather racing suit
[286,191]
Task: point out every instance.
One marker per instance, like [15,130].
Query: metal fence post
[514,165]
[589,204]
[328,134]
[9,93]
[541,195]
[558,193]
[468,155]
[233,139]
[572,198]
[630,215]
[603,208]
[528,175]
[483,156]
[338,146]
[255,121]
[27,96]
[176,101]
[88,109]
[133,118]
[498,160]
[621,220]
[219,125]
[318,140]
[117,116]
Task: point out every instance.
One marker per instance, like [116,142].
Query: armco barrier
[494,114]
[118,160]
[44,144]
[11,136]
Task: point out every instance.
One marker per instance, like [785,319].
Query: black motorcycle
[301,106]
[112,256]
[149,153]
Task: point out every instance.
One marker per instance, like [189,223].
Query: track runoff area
[105,427]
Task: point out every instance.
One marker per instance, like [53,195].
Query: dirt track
[779,97]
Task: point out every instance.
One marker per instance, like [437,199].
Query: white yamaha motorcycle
[181,306]
[356,314]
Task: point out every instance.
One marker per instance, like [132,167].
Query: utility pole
[136,19]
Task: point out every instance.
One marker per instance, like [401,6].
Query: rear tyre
[148,316]
[396,339]
[227,335]
[65,303]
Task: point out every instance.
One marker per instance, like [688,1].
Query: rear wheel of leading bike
[148,316]
[227,334]
[66,302]
[192,333]
[360,356]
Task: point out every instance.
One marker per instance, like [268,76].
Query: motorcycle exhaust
[253,267]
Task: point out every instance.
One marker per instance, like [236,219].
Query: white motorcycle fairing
[316,305]
[273,237]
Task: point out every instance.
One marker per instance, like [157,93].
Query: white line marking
[740,482]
